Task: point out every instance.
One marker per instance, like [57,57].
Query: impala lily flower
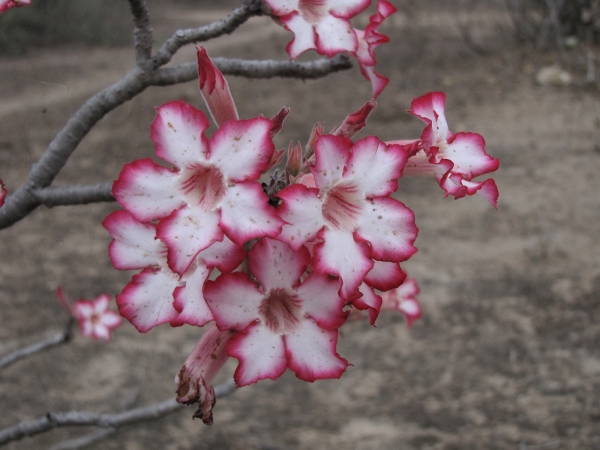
[94,317]
[403,299]
[195,377]
[157,295]
[7,4]
[2,193]
[452,159]
[212,189]
[281,323]
[319,24]
[368,39]
[350,209]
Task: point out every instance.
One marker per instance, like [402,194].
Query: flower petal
[234,300]
[311,352]
[224,255]
[378,82]
[369,301]
[215,90]
[261,355]
[335,35]
[147,301]
[355,121]
[178,134]
[375,167]
[301,209]
[347,8]
[341,255]
[186,232]
[304,34]
[385,276]
[467,152]
[147,190]
[7,4]
[2,193]
[189,300]
[331,155]
[321,301]
[276,265]
[430,109]
[111,320]
[389,227]
[246,213]
[134,245]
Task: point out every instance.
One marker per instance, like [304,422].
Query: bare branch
[142,33]
[226,26]
[54,341]
[86,418]
[75,194]
[255,69]
[85,440]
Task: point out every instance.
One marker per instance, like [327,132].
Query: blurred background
[507,353]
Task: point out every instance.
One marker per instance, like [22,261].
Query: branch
[255,69]
[75,194]
[56,340]
[142,33]
[86,418]
[226,26]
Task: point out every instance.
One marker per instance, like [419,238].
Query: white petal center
[281,311]
[342,206]
[202,185]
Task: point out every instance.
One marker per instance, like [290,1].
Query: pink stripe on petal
[276,265]
[242,149]
[134,245]
[301,209]
[311,352]
[234,300]
[186,232]
[261,355]
[389,227]
[147,190]
[341,255]
[190,302]
[246,213]
[385,276]
[147,301]
[215,90]
[321,301]
[331,155]
[178,134]
[375,167]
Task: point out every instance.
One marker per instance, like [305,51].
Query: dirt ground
[507,354]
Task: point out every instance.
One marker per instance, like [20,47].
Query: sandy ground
[507,354]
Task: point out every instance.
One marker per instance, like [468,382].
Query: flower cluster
[324,25]
[295,254]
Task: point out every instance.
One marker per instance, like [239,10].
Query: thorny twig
[36,189]
[87,418]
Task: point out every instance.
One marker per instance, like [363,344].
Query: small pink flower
[7,4]
[94,317]
[350,209]
[452,159]
[194,380]
[2,193]
[282,323]
[323,25]
[368,39]
[403,299]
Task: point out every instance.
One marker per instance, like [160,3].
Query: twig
[142,33]
[75,194]
[56,340]
[86,418]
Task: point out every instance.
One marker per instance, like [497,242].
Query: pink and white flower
[323,25]
[452,159]
[94,318]
[194,380]
[7,4]
[368,39]
[2,193]
[282,323]
[212,190]
[350,209]
[157,295]
[403,299]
